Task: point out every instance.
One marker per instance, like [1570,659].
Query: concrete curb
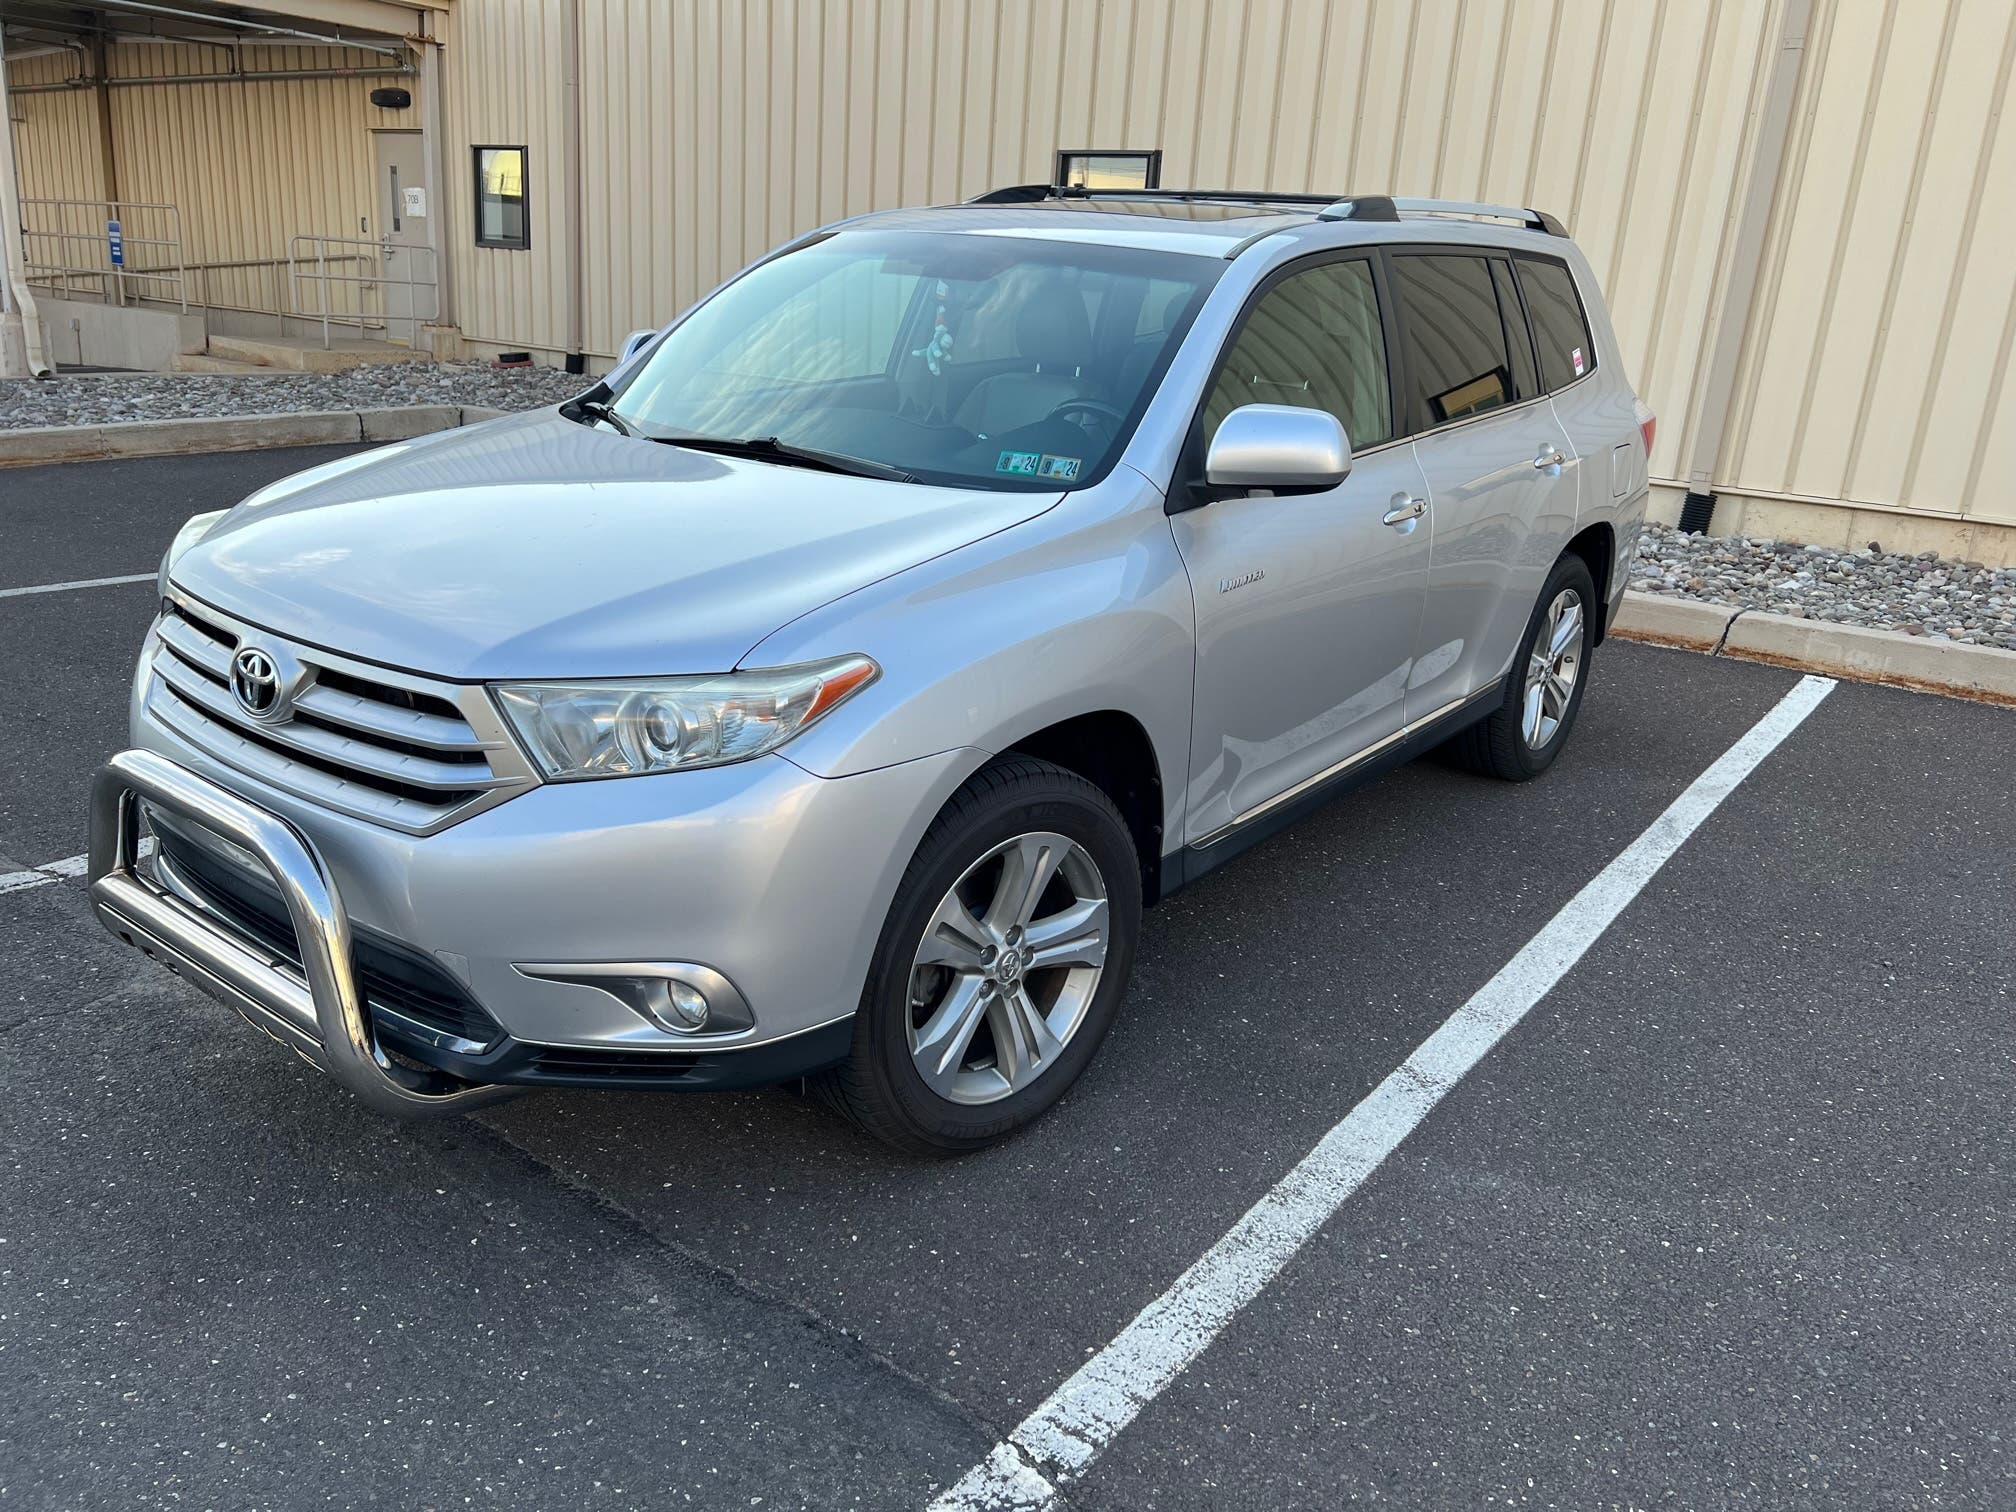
[1984,673]
[167,438]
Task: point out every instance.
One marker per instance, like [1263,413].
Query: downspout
[1767,166]
[11,245]
[570,70]
[433,146]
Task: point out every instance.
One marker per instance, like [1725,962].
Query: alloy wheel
[1007,968]
[1553,662]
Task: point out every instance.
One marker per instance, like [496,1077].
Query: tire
[1502,745]
[1016,812]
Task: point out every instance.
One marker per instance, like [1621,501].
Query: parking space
[1724,1221]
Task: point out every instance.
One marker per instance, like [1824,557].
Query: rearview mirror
[1279,447]
[634,343]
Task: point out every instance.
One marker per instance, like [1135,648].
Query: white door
[404,204]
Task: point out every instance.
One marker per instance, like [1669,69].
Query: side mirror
[1278,447]
[634,343]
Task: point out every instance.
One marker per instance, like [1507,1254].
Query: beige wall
[1878,350]
[248,165]
[502,67]
[1870,397]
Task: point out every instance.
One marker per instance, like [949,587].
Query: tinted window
[1313,341]
[1566,352]
[1525,378]
[1457,364]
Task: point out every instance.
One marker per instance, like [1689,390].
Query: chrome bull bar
[320,1013]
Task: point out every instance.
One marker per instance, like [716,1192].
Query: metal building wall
[1872,381]
[55,135]
[502,76]
[1877,355]
[720,127]
[248,164]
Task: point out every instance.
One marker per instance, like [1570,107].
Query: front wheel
[1543,691]
[1001,964]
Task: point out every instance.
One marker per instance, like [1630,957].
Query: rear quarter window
[1560,328]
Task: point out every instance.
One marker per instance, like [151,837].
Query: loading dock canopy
[33,26]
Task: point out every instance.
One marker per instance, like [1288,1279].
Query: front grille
[412,999]
[397,750]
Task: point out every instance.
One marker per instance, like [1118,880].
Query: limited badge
[1018,462]
[1065,468]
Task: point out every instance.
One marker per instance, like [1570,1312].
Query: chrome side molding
[319,1012]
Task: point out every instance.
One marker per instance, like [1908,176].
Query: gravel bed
[99,399]
[1882,590]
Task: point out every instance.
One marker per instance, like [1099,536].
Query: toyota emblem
[255,681]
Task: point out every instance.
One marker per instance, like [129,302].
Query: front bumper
[367,940]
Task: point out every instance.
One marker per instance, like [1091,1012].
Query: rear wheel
[1543,692]
[1001,965]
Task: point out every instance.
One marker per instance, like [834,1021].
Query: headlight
[666,724]
[193,530]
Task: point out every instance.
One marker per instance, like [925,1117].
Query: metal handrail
[112,277]
[314,251]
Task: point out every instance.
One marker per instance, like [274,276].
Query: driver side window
[1313,341]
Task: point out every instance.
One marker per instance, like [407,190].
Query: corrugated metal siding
[1874,366]
[249,164]
[504,88]
[736,125]
[1879,346]
[55,135]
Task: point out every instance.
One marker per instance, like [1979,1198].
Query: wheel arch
[1596,545]
[1112,750]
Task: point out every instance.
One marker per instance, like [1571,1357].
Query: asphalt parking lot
[1726,1220]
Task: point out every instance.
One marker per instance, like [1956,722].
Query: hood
[533,547]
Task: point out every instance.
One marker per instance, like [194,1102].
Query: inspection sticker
[1018,462]
[1058,467]
[1576,354]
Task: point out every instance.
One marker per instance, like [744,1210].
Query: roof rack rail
[1024,194]
[1532,220]
[1358,207]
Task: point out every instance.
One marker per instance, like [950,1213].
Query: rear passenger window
[1566,352]
[1525,377]
[1313,341]
[1457,364]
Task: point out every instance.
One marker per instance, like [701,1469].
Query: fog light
[683,997]
[684,1008]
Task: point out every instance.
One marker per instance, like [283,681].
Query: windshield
[975,360]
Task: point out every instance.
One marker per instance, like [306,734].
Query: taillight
[1648,424]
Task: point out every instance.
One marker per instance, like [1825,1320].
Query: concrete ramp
[306,354]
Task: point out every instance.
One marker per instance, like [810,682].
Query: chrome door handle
[1403,510]
[1550,456]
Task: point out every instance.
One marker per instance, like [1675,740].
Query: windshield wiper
[594,405]
[784,453]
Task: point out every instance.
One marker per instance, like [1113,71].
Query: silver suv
[826,692]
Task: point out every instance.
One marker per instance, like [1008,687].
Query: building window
[1110,170]
[503,209]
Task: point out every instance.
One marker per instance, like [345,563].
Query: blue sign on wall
[115,241]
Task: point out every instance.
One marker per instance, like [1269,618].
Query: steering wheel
[1096,407]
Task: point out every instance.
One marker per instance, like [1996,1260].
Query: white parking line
[56,871]
[1060,1439]
[111,582]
